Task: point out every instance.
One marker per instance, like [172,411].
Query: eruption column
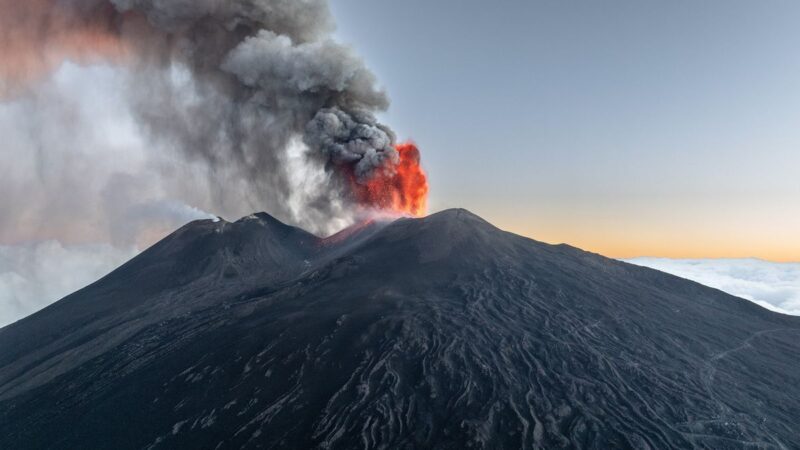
[254,75]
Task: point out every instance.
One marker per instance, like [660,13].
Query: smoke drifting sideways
[123,119]
[227,85]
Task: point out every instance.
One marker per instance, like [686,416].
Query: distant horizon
[619,248]
[625,129]
[620,127]
[50,270]
[601,248]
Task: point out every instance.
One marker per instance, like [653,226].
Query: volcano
[439,332]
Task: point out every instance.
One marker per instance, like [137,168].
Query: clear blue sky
[625,127]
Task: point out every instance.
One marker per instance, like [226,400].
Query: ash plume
[230,86]
[352,139]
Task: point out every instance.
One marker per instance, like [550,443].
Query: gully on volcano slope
[439,332]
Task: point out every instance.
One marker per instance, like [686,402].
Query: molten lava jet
[402,188]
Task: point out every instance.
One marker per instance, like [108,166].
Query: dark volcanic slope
[440,332]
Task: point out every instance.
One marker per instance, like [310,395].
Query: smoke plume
[229,86]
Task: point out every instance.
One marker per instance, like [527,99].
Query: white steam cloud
[122,120]
[223,86]
[34,275]
[775,286]
[79,201]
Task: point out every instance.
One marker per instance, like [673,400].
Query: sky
[626,128]
[661,133]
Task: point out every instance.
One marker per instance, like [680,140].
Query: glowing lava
[402,189]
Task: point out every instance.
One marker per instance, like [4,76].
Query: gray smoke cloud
[77,201]
[356,140]
[123,119]
[231,85]
[262,74]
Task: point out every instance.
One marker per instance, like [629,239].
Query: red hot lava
[403,190]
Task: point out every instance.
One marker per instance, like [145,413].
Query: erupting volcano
[255,76]
[438,332]
[402,188]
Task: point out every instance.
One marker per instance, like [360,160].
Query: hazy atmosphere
[621,128]
[338,224]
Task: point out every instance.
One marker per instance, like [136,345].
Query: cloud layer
[775,286]
[34,275]
[78,201]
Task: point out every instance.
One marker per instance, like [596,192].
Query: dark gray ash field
[442,332]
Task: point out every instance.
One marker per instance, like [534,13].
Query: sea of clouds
[773,285]
[34,275]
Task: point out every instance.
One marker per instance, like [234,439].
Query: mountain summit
[440,332]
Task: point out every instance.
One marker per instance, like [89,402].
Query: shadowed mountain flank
[441,332]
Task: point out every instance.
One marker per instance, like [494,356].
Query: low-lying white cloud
[775,286]
[34,275]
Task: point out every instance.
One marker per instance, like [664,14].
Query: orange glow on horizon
[768,233]
[665,243]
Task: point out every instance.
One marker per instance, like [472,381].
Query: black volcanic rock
[442,332]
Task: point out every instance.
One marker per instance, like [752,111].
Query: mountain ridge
[442,331]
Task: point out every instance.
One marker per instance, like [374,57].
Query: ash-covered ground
[442,332]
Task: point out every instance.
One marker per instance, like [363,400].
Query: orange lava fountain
[402,189]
